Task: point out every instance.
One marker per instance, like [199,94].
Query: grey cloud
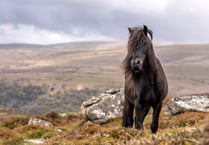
[176,24]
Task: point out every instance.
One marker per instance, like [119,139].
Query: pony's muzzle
[136,65]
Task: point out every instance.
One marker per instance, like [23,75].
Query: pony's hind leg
[155,117]
[127,120]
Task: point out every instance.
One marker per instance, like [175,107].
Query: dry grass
[183,129]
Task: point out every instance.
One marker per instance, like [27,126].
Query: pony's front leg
[127,120]
[155,118]
[141,112]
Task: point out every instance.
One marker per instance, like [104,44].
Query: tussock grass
[182,129]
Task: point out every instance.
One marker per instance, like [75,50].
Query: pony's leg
[155,117]
[127,120]
[141,112]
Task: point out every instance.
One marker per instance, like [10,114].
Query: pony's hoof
[154,128]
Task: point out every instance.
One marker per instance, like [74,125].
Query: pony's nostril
[137,62]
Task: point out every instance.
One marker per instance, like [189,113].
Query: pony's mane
[136,40]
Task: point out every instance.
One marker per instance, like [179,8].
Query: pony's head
[138,47]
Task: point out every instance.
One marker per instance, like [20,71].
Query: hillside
[37,80]
[60,77]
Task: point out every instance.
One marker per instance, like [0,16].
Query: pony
[145,80]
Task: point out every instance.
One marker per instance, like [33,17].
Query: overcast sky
[56,21]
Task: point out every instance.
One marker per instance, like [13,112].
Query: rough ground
[182,129]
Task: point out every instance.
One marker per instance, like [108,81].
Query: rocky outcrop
[104,107]
[198,102]
[109,105]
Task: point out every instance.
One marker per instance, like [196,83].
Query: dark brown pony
[145,81]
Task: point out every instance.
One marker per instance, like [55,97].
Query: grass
[182,129]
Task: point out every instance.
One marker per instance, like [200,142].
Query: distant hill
[61,76]
[19,45]
[84,44]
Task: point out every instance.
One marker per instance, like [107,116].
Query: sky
[59,21]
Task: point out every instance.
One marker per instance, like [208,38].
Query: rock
[39,122]
[198,102]
[57,130]
[35,141]
[104,107]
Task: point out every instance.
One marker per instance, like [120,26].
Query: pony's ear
[150,33]
[130,30]
[145,29]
